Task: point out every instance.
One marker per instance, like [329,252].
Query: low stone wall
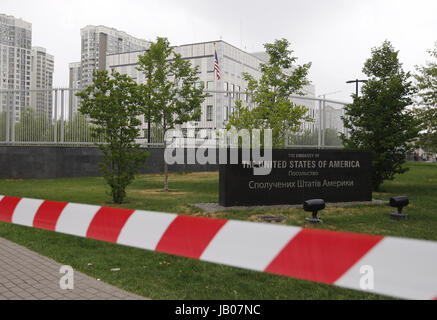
[36,162]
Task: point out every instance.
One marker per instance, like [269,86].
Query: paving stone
[26,275]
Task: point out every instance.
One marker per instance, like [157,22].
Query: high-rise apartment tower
[41,97]
[15,63]
[99,41]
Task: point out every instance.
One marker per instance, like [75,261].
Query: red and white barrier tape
[403,268]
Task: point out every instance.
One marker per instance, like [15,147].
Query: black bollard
[314,206]
[400,203]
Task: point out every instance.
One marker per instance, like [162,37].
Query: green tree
[113,106]
[170,94]
[271,106]
[426,81]
[380,121]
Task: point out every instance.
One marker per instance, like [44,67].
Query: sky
[335,35]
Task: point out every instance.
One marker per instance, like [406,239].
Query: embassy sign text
[297,176]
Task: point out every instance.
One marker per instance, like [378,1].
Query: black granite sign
[297,176]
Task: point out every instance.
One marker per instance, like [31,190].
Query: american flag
[217,66]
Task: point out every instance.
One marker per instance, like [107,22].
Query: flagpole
[215,88]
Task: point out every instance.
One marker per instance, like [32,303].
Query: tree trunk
[165,163]
[165,176]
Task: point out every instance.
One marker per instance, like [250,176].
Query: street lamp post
[357,82]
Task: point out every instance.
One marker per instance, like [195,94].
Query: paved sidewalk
[26,275]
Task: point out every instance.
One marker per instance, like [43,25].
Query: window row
[210,113]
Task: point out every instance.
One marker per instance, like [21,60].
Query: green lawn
[161,276]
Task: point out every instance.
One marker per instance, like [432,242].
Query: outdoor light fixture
[400,203]
[356,83]
[314,206]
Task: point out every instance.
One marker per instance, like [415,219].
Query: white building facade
[333,118]
[15,63]
[230,88]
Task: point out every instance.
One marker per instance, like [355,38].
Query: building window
[208,113]
[226,89]
[210,66]
[197,63]
[210,85]
[226,113]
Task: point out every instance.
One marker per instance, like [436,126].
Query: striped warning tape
[402,268]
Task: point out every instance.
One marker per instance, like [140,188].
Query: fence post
[13,121]
[7,118]
[323,123]
[62,116]
[55,130]
[319,137]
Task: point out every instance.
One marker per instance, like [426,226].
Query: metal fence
[57,121]
[325,129]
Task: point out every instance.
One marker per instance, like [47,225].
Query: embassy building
[108,48]
[231,87]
